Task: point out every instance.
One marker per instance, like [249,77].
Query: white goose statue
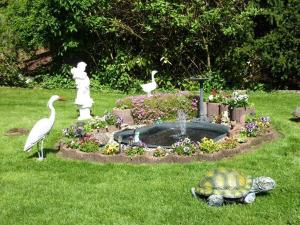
[41,129]
[150,86]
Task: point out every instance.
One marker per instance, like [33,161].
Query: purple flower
[119,120]
[195,103]
[265,119]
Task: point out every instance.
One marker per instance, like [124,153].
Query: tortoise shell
[226,182]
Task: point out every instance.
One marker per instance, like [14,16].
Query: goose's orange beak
[61,98]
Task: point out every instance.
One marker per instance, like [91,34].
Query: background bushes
[238,43]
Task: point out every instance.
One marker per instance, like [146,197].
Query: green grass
[59,191]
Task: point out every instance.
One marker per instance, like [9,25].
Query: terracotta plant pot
[238,114]
[213,109]
[125,114]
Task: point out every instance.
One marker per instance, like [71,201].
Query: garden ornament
[41,129]
[150,86]
[228,185]
[83,99]
[225,118]
[296,113]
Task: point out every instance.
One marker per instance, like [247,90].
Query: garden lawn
[60,191]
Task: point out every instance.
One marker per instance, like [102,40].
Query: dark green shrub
[246,45]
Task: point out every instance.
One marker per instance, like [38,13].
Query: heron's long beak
[61,98]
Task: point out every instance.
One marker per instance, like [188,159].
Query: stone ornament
[149,87]
[83,99]
[228,185]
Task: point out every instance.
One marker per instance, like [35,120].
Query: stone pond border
[250,145]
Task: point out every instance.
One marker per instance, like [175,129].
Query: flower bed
[147,110]
[83,142]
[250,145]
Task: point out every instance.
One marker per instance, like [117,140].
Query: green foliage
[110,149]
[88,146]
[184,147]
[96,122]
[133,151]
[110,118]
[215,81]
[256,125]
[54,82]
[72,143]
[159,152]
[229,143]
[209,145]
[236,44]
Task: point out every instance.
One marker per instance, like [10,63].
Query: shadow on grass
[297,119]
[229,201]
[46,152]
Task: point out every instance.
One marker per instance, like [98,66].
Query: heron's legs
[41,150]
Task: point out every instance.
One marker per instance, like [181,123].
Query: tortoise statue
[296,113]
[228,185]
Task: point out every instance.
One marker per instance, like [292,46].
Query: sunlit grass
[60,191]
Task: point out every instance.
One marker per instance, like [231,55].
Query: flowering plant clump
[101,122]
[239,99]
[111,149]
[215,97]
[184,147]
[134,150]
[72,143]
[96,122]
[256,125]
[159,152]
[208,145]
[74,131]
[110,118]
[242,137]
[119,121]
[195,103]
[229,143]
[146,110]
[88,144]
[264,123]
[251,129]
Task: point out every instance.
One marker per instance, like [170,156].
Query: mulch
[16,132]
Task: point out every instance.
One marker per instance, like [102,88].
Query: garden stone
[101,138]
[83,99]
[125,114]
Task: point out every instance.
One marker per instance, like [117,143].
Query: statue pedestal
[84,114]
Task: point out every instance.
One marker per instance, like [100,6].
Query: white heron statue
[150,86]
[41,129]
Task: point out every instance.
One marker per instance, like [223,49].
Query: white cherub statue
[83,99]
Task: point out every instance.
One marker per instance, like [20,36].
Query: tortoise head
[262,184]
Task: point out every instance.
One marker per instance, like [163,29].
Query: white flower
[186,141]
[186,149]
[210,98]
